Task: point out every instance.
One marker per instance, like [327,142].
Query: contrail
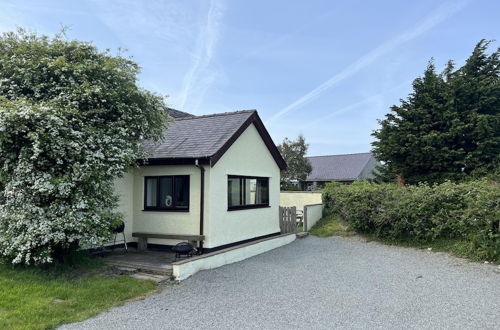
[205,51]
[356,104]
[437,16]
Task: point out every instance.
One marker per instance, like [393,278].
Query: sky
[325,69]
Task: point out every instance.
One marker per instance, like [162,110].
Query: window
[166,193]
[245,192]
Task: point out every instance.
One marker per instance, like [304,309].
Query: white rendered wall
[131,192]
[299,198]
[248,156]
[312,214]
[188,267]
[124,188]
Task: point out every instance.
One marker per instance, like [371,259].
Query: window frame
[249,206]
[173,208]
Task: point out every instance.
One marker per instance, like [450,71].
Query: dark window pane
[233,191]
[182,192]
[151,186]
[166,192]
[262,191]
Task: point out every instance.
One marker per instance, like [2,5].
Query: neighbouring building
[340,168]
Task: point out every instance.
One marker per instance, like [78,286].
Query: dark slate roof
[177,113]
[337,167]
[197,137]
[206,138]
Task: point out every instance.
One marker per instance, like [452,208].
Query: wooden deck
[150,261]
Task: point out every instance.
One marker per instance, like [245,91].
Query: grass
[452,246]
[334,226]
[36,298]
[331,226]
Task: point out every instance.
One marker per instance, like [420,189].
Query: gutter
[202,200]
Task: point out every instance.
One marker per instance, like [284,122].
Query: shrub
[289,188]
[468,212]
[72,119]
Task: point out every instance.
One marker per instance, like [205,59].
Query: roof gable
[338,167]
[206,138]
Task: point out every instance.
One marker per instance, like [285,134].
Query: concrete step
[152,277]
[302,234]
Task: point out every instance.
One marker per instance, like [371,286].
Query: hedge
[467,212]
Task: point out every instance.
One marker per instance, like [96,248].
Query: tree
[72,119]
[294,153]
[448,128]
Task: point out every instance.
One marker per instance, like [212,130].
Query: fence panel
[288,219]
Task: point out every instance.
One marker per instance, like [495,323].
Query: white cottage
[214,180]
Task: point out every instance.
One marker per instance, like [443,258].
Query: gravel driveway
[323,283]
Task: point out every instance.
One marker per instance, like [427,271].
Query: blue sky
[324,69]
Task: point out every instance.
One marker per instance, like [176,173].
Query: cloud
[437,16]
[200,75]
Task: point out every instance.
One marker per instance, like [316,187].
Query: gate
[288,219]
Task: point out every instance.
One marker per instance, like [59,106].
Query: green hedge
[468,212]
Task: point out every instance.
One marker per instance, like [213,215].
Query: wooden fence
[288,219]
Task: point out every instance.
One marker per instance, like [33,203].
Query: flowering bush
[469,212]
[71,121]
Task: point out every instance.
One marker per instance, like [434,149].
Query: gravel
[323,283]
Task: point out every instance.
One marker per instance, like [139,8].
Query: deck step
[149,269]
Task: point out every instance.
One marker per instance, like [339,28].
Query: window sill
[247,207]
[165,210]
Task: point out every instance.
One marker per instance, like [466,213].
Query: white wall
[184,269]
[167,222]
[247,156]
[299,198]
[131,192]
[124,188]
[312,214]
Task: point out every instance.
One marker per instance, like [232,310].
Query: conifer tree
[448,128]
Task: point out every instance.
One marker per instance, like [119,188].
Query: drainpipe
[202,199]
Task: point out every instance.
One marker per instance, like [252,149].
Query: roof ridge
[355,153]
[172,112]
[216,114]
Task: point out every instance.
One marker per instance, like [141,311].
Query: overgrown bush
[468,212]
[72,119]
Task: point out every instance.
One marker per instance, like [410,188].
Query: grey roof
[198,136]
[174,113]
[338,167]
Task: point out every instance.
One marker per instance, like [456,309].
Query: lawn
[33,298]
